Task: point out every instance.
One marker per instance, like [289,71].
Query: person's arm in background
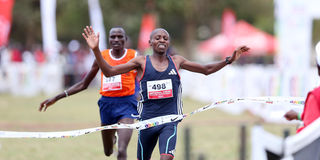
[292,115]
[310,113]
[78,87]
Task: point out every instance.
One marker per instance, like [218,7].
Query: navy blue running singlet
[160,91]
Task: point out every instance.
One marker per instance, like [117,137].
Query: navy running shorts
[112,109]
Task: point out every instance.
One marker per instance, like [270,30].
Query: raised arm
[93,42]
[209,68]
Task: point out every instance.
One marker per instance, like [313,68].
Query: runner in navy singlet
[160,91]
[160,87]
[160,95]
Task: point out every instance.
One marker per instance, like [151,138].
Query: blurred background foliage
[184,19]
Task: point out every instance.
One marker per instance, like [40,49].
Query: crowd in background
[74,57]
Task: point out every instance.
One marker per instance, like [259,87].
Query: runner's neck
[117,53]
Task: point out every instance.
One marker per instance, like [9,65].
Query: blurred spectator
[39,56]
[311,109]
[28,57]
[69,62]
[5,54]
[88,59]
[16,55]
[77,62]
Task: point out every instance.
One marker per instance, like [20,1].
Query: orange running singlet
[118,85]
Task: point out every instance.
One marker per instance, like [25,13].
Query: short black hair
[156,30]
[118,27]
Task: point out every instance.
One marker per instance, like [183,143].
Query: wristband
[66,93]
[299,116]
[228,60]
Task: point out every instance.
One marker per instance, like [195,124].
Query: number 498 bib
[159,89]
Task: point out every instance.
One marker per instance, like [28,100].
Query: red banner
[5,20]
[148,24]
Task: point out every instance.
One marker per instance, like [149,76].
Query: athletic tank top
[118,85]
[160,91]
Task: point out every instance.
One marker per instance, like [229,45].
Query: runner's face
[117,38]
[160,41]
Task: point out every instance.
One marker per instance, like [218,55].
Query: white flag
[49,32]
[96,20]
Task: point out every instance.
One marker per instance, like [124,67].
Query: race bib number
[111,83]
[159,89]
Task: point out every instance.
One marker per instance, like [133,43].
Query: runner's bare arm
[78,87]
[207,68]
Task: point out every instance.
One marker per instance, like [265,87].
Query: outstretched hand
[45,104]
[91,38]
[291,115]
[237,53]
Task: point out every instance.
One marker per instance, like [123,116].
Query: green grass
[213,133]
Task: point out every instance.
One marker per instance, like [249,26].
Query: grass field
[213,133]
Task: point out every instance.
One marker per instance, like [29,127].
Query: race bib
[159,89]
[111,83]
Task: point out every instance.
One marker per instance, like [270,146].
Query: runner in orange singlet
[118,101]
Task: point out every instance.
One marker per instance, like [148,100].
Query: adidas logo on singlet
[172,72]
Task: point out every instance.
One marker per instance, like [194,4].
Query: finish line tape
[152,122]
[65,134]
